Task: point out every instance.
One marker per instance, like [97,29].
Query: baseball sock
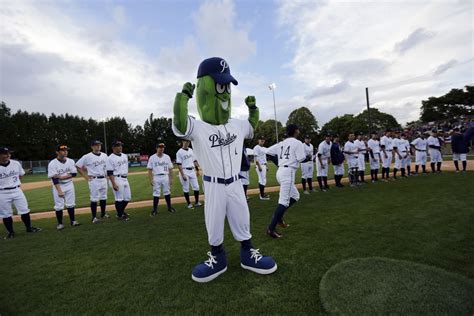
[310,184]
[217,249]
[336,179]
[196,196]
[320,183]
[325,180]
[403,172]
[8,222]
[376,174]
[118,208]
[277,216]
[156,199]
[186,196]
[438,166]
[26,220]
[125,203]
[362,176]
[103,205]
[94,209]
[433,167]
[262,190]
[245,189]
[456,164]
[383,173]
[424,168]
[59,216]
[292,201]
[464,165]
[409,170]
[351,177]
[246,244]
[168,200]
[388,173]
[371,174]
[416,169]
[395,170]
[303,182]
[70,211]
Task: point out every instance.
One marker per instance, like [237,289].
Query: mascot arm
[180,108]
[254,113]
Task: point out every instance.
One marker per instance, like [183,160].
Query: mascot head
[213,91]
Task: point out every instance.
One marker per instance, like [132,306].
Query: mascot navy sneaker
[253,260]
[211,268]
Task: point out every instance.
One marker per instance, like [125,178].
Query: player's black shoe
[33,229]
[10,236]
[273,234]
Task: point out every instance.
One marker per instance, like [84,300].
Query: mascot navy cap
[218,69]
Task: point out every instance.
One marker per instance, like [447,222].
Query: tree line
[34,136]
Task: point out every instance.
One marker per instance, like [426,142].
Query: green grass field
[144,266]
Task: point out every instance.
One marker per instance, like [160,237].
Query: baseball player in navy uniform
[386,147]
[337,160]
[290,153]
[420,146]
[307,168]
[117,172]
[188,168]
[460,148]
[352,154]
[61,171]
[160,174]
[434,145]
[11,194]
[93,167]
[373,145]
[322,162]
[260,157]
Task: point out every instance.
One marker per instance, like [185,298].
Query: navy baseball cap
[218,69]
[4,150]
[96,142]
[62,147]
[117,143]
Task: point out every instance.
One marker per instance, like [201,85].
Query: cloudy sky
[129,58]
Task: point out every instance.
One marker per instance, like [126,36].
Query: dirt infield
[447,166]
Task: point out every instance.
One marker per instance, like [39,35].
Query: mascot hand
[250,101]
[188,89]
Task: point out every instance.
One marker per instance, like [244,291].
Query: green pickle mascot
[217,142]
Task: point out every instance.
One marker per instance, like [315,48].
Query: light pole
[105,136]
[368,108]
[272,87]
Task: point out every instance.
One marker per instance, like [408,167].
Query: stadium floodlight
[272,87]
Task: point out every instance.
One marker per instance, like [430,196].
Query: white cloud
[405,51]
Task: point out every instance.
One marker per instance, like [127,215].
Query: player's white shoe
[75,223]
[95,220]
[265,197]
[306,192]
[106,216]
[60,227]
[190,206]
[198,204]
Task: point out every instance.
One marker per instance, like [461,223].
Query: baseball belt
[10,188]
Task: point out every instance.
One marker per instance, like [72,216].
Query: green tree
[306,121]
[340,125]
[380,121]
[267,130]
[455,103]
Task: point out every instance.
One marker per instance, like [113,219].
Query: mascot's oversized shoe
[211,268]
[254,261]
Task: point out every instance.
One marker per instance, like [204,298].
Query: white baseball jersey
[387,142]
[290,152]
[118,164]
[420,144]
[374,145]
[351,150]
[10,174]
[433,141]
[308,150]
[324,149]
[218,148]
[10,179]
[360,144]
[399,144]
[57,168]
[160,165]
[435,154]
[185,158]
[95,164]
[307,168]
[260,154]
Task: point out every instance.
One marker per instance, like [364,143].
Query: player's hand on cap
[250,101]
[188,89]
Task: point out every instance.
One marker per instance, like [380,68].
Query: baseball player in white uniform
[117,171]
[352,156]
[386,147]
[373,146]
[290,153]
[362,146]
[420,145]
[61,171]
[399,152]
[160,174]
[93,167]
[307,168]
[188,168]
[406,164]
[260,157]
[434,145]
[12,195]
[322,162]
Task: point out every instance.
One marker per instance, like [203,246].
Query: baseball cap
[62,147]
[160,145]
[117,143]
[307,136]
[4,150]
[96,142]
[218,69]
